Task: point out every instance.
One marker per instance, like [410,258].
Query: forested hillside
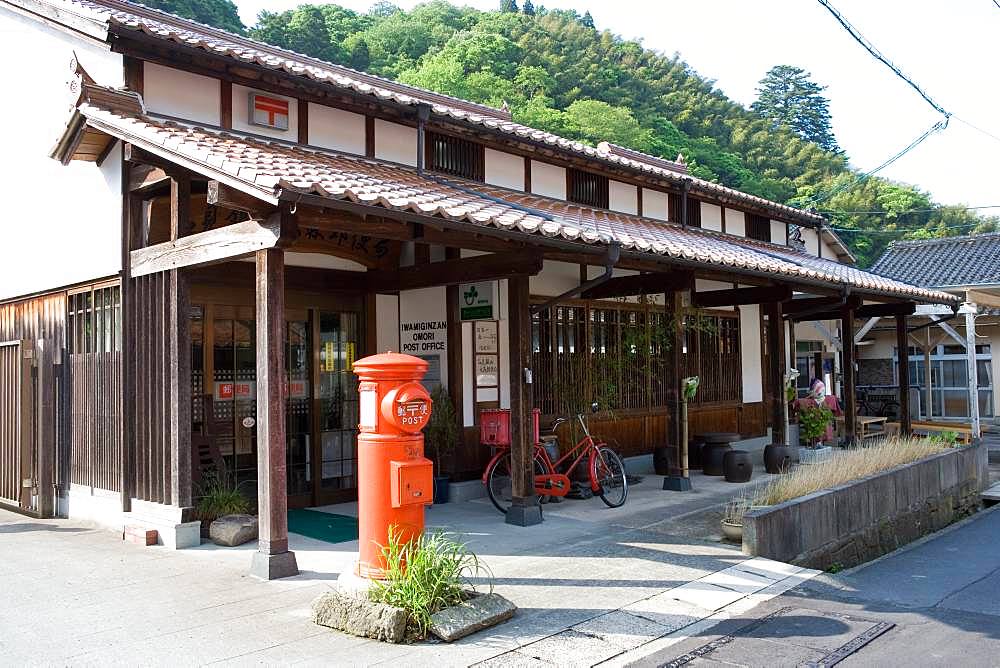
[559,72]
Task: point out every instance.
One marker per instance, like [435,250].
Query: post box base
[350,583]
[524,512]
[274,566]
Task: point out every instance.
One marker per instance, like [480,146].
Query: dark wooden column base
[524,512]
[274,566]
[677,483]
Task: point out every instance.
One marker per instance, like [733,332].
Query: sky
[950,49]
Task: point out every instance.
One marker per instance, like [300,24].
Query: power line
[899,213]
[854,230]
[978,129]
[937,127]
[860,39]
[997,3]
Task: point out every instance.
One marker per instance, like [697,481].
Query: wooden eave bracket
[220,194]
[210,247]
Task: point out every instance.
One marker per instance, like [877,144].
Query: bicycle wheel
[610,473]
[498,482]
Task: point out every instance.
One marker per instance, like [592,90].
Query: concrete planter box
[815,455]
[866,518]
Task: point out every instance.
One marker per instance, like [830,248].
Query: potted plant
[441,436]
[732,519]
[813,423]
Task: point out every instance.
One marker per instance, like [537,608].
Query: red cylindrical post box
[395,480]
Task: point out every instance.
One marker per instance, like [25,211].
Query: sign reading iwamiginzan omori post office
[423,331]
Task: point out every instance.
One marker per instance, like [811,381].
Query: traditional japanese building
[204,232]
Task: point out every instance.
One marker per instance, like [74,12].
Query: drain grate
[766,627]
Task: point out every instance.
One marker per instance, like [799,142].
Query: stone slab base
[524,515]
[273,566]
[174,533]
[466,490]
[100,506]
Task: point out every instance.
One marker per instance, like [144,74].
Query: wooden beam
[211,246]
[226,104]
[453,272]
[741,296]
[640,284]
[850,377]
[794,307]
[524,510]
[180,206]
[219,194]
[179,377]
[332,220]
[903,373]
[776,372]
[134,154]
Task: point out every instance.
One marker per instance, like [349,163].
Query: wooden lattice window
[457,157]
[758,227]
[587,188]
[675,205]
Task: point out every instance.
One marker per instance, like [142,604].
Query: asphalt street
[935,603]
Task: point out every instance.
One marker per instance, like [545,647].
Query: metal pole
[970,351]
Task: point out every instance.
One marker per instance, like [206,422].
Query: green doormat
[323,526]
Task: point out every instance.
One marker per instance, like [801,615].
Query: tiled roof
[265,168]
[947,262]
[123,15]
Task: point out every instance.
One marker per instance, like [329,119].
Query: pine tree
[528,9]
[587,20]
[508,6]
[787,96]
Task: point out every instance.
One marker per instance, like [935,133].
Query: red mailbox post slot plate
[412,482]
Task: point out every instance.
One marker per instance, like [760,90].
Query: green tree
[508,6]
[217,13]
[528,8]
[787,96]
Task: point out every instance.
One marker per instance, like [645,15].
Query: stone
[360,617]
[232,530]
[479,612]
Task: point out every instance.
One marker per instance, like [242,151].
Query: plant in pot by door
[441,436]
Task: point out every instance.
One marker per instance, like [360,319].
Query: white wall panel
[241,114]
[336,129]
[395,142]
[504,169]
[387,323]
[736,223]
[654,204]
[778,232]
[750,352]
[711,217]
[174,92]
[548,180]
[623,197]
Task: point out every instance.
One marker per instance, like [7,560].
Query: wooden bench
[962,431]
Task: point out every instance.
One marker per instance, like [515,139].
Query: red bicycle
[605,468]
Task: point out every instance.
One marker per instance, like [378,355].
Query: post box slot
[411,482]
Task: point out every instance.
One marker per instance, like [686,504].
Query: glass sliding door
[298,416]
[337,406]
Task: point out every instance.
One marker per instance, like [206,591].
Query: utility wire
[854,230]
[937,127]
[870,48]
[900,213]
[978,129]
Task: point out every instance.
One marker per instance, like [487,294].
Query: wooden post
[850,380]
[524,510]
[972,369]
[272,559]
[903,373]
[776,372]
[45,437]
[455,385]
[928,378]
[179,343]
[676,479]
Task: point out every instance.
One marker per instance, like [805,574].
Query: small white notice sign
[368,408]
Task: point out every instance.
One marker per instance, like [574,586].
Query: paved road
[935,604]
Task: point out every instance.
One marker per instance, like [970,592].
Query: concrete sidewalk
[589,588]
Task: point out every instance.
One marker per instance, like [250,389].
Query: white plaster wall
[336,129]
[395,142]
[702,285]
[468,385]
[548,180]
[750,362]
[736,223]
[555,279]
[504,169]
[241,115]
[777,232]
[811,240]
[828,251]
[61,225]
[711,217]
[322,261]
[654,204]
[882,347]
[387,323]
[623,197]
[174,92]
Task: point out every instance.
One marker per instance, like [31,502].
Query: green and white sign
[476,300]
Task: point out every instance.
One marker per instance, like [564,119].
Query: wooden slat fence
[96,434]
[13,462]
